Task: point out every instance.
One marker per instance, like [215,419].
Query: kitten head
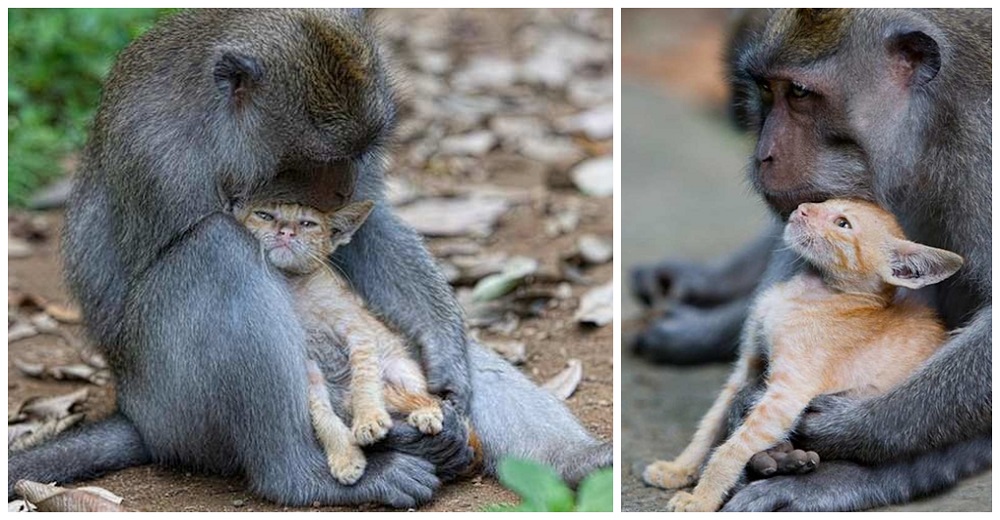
[298,239]
[861,247]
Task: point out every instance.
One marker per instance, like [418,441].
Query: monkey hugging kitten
[837,327]
[383,377]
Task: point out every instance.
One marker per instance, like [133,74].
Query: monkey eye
[798,91]
[263,215]
[308,223]
[842,222]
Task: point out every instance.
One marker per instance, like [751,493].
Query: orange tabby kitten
[838,327]
[298,240]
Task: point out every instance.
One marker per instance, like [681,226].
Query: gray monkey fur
[209,107]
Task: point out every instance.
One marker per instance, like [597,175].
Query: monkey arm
[392,270]
[949,400]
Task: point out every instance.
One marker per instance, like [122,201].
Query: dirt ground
[535,189]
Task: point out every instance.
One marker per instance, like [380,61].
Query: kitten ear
[913,265]
[347,220]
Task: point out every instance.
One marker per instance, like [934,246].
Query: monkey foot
[783,459]
[371,427]
[669,475]
[427,420]
[348,465]
[683,501]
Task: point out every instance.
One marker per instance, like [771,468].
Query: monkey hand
[838,427]
[451,380]
[449,450]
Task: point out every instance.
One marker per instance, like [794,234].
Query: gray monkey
[208,107]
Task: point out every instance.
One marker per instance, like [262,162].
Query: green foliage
[541,489]
[57,61]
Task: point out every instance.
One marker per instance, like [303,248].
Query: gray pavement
[683,195]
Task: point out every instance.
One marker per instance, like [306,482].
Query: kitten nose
[286,231]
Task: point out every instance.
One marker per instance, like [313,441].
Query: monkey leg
[514,417]
[220,380]
[689,335]
[708,283]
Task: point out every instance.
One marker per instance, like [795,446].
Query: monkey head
[306,99]
[833,96]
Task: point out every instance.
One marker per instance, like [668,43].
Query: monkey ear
[347,220]
[916,55]
[236,74]
[915,265]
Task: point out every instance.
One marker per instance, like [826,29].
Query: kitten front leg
[767,424]
[370,421]
[683,471]
[344,457]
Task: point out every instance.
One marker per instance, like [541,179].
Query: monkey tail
[80,453]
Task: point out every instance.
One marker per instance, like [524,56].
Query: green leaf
[538,485]
[596,492]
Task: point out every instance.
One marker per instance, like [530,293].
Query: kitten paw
[347,466]
[669,475]
[427,420]
[683,501]
[371,427]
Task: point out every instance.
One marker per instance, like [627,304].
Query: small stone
[594,250]
[238,503]
[472,143]
[598,124]
[486,73]
[595,177]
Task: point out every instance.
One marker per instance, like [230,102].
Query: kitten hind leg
[406,392]
[344,458]
[422,410]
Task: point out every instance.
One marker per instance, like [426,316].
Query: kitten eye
[798,91]
[263,215]
[307,223]
[842,222]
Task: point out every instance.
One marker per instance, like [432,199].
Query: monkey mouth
[785,202]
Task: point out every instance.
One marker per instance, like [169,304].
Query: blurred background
[684,196]
[503,162]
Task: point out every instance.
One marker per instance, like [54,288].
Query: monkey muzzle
[326,186]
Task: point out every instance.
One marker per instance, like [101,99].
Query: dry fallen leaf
[63,313]
[25,435]
[563,384]
[514,352]
[55,407]
[49,497]
[447,217]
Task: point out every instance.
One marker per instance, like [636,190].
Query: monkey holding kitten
[836,327]
[297,240]
[202,338]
